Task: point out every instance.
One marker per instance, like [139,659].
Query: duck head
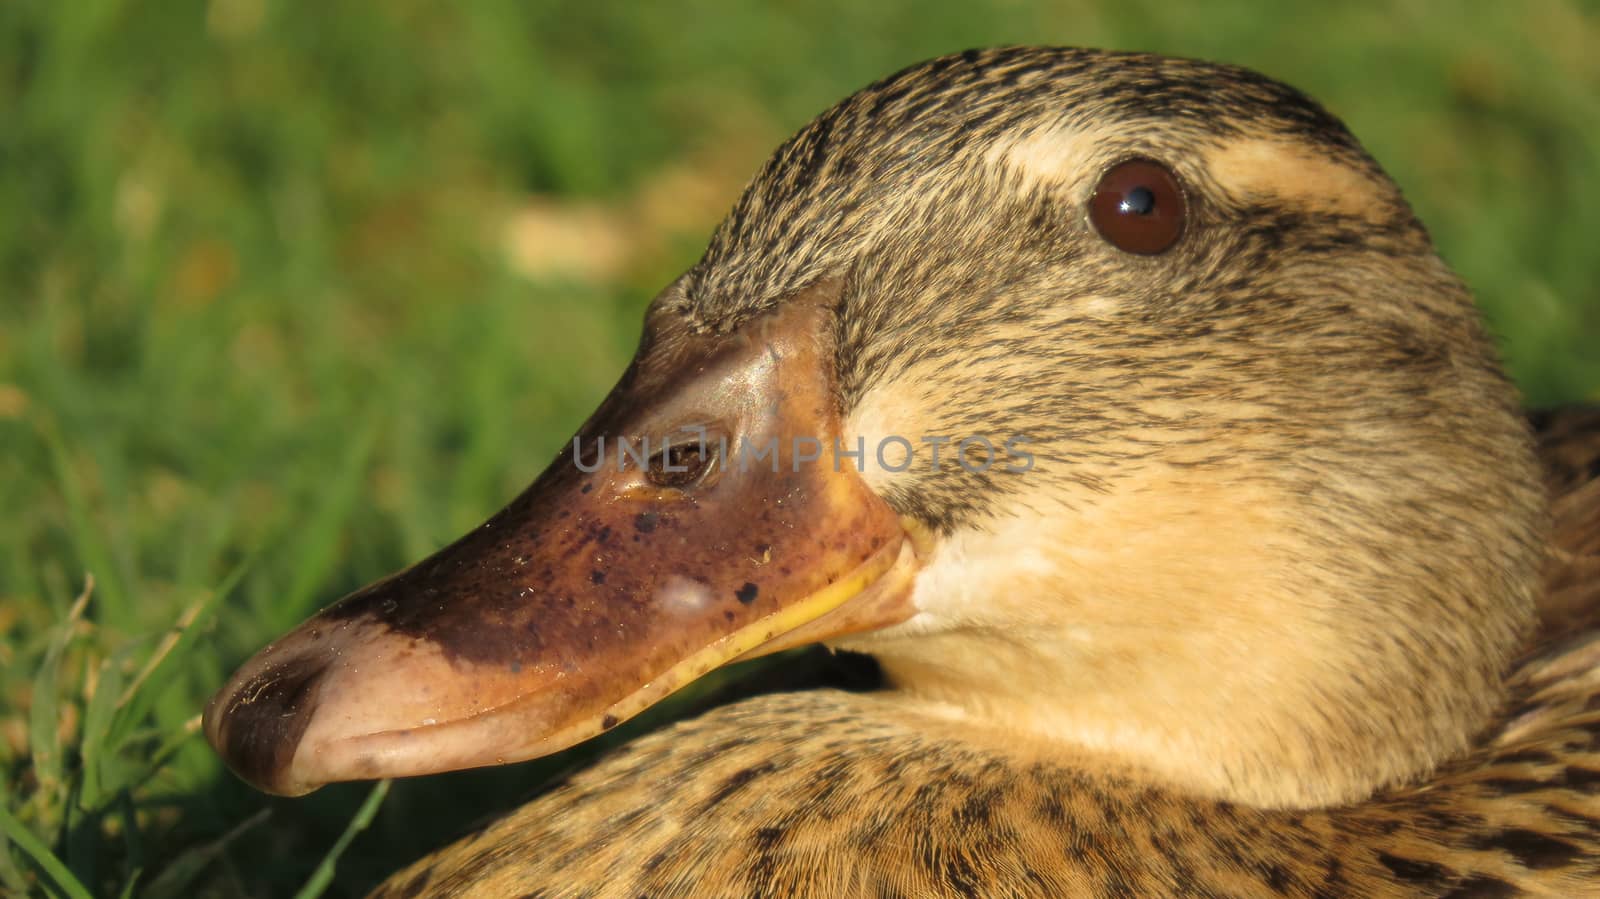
[1119,405]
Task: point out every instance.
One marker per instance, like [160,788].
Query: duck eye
[681,465]
[1138,206]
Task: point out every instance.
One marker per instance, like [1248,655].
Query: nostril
[259,727]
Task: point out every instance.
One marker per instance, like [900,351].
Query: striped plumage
[1279,607]
[832,793]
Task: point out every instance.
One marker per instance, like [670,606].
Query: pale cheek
[898,435]
[878,431]
[1003,575]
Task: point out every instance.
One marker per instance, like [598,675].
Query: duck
[1121,409]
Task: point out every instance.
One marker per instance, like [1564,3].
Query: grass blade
[133,863]
[95,552]
[11,877]
[167,660]
[165,752]
[94,746]
[317,547]
[321,877]
[177,877]
[42,856]
[44,725]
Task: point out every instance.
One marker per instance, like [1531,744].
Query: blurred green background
[293,293]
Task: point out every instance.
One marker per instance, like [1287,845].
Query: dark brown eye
[681,465]
[1138,207]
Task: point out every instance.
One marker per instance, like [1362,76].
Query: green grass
[292,293]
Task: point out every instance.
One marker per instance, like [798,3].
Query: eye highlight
[1139,207]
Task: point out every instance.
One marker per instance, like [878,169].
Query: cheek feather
[886,416]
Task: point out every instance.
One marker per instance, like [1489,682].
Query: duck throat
[1222,641]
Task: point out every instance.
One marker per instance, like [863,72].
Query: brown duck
[1120,407]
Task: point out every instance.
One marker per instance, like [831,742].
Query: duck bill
[623,573]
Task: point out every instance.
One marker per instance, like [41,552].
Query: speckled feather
[1302,343]
[831,793]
